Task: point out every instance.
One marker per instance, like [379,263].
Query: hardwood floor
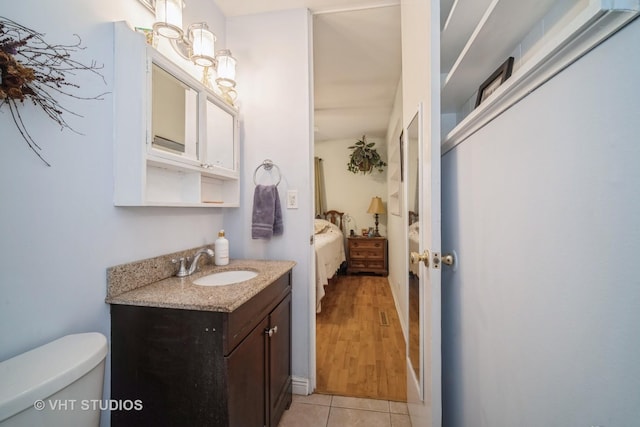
[360,349]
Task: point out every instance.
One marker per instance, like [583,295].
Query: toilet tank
[57,384]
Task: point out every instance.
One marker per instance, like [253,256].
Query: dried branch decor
[31,68]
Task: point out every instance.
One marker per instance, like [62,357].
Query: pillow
[321,225]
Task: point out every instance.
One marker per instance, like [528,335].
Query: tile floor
[323,410]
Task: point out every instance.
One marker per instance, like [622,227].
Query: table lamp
[376,207]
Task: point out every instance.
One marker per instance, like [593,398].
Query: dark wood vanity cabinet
[203,368]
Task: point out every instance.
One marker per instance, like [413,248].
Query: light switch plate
[292,199]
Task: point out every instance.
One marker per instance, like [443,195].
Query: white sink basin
[225,278]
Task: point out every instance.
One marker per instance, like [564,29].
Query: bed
[414,241]
[329,248]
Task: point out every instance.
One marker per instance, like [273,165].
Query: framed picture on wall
[495,80]
[149,4]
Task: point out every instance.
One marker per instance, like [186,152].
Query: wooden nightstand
[367,255]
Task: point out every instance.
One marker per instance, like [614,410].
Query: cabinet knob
[271,331]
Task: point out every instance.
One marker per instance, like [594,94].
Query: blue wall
[540,321]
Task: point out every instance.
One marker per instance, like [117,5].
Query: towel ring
[267,165]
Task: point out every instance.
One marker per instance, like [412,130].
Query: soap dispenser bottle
[221,249]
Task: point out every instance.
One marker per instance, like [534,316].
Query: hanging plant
[364,158]
[31,68]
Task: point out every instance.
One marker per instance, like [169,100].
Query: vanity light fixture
[226,79]
[198,45]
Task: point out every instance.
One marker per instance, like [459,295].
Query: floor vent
[384,320]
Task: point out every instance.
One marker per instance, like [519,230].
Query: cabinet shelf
[502,26]
[579,27]
[180,186]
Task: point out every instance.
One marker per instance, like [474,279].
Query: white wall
[274,84]
[59,230]
[540,322]
[351,193]
[396,228]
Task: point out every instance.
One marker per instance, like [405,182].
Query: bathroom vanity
[204,356]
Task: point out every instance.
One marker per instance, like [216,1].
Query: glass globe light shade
[203,45]
[169,18]
[226,68]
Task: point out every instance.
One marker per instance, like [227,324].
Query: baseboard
[401,317]
[300,385]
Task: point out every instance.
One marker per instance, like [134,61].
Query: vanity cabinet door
[169,360]
[259,371]
[246,370]
[279,357]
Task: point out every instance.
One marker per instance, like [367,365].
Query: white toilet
[56,385]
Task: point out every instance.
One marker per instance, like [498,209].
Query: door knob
[424,257]
[449,259]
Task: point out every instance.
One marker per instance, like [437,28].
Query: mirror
[413,213]
[220,147]
[174,118]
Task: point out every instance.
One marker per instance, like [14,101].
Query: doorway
[357,73]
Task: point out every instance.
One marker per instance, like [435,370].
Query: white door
[421,84]
[423,202]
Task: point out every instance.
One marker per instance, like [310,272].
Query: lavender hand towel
[278,228]
[267,214]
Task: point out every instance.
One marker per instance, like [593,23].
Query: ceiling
[357,62]
[357,56]
[246,7]
[357,67]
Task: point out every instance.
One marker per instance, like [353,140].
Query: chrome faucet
[183,271]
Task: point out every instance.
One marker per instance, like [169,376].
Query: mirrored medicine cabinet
[219,150]
[176,141]
[174,114]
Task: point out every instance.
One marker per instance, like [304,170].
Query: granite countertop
[181,293]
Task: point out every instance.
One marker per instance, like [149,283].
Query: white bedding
[414,246]
[329,247]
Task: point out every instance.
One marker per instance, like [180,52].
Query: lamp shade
[226,68]
[376,206]
[203,45]
[169,18]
